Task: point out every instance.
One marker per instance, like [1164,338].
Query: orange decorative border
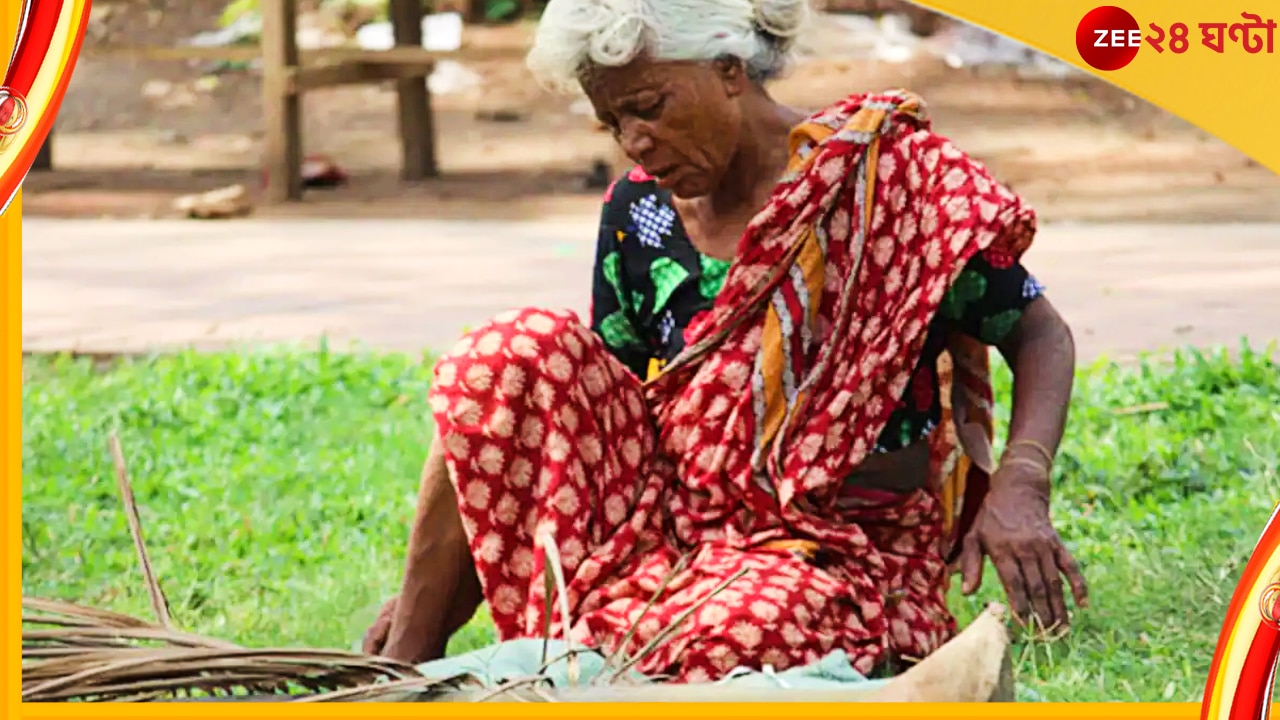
[1244,664]
[40,68]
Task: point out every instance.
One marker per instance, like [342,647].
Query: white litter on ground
[441,32]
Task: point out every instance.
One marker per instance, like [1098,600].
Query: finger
[970,562]
[1052,575]
[1015,586]
[389,608]
[376,636]
[1069,567]
[1041,618]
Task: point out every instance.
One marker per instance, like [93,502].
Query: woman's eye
[649,109]
[609,124]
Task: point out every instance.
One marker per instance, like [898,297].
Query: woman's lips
[665,176]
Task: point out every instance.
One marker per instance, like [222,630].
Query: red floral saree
[720,482]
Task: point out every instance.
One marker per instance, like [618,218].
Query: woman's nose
[635,141]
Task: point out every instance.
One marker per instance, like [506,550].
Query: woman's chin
[689,187]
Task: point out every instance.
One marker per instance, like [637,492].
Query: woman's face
[680,121]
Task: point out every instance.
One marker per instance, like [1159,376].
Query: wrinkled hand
[1013,529]
[375,638]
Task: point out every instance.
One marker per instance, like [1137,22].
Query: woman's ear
[733,75]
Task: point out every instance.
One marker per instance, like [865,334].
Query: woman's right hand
[375,638]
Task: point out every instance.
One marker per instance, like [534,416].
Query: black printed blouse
[650,282]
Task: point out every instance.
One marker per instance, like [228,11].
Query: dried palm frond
[159,604]
[71,652]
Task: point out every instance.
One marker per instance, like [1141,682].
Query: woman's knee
[525,334]
[506,358]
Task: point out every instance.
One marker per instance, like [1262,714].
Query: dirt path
[411,284]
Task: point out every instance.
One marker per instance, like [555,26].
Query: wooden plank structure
[285,79]
[288,73]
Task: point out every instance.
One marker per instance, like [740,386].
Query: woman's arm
[440,590]
[996,301]
[1042,355]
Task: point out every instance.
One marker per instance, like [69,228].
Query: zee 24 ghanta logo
[1109,37]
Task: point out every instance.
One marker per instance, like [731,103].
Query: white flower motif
[666,326]
[653,222]
[1031,288]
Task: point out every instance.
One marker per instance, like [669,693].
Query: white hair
[575,35]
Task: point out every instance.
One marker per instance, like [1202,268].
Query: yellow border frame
[11,436]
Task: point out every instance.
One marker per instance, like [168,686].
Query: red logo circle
[1108,38]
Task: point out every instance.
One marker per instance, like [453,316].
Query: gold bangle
[1044,451]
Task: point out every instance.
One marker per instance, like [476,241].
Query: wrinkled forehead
[606,84]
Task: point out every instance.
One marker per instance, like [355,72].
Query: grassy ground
[276,489]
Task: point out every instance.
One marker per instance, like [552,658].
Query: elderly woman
[779,422]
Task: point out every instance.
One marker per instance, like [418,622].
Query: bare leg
[441,590]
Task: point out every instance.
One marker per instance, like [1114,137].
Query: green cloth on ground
[498,663]
[522,658]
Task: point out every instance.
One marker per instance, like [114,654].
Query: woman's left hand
[1013,529]
[375,638]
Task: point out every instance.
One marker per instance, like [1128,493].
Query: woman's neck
[761,157]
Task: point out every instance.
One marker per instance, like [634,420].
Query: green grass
[276,487]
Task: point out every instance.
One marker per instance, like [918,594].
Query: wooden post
[281,102]
[417,126]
